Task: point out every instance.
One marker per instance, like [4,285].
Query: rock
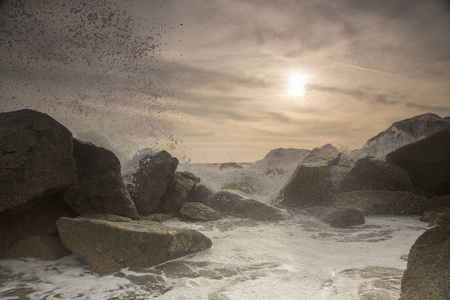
[280,161]
[199,193]
[149,183]
[230,165]
[35,218]
[234,204]
[376,175]
[158,217]
[439,204]
[178,191]
[108,246]
[427,162]
[430,218]
[244,183]
[100,187]
[404,132]
[427,275]
[44,247]
[383,202]
[35,157]
[311,184]
[336,217]
[196,211]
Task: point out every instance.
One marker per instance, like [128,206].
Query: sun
[297,85]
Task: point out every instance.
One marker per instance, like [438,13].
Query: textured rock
[100,187]
[36,217]
[336,217]
[149,183]
[199,193]
[311,184]
[234,204]
[439,204]
[35,157]
[427,275]
[196,211]
[376,175]
[158,217]
[383,202]
[45,247]
[427,162]
[178,191]
[108,246]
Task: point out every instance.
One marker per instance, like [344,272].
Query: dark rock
[149,183]
[430,218]
[196,211]
[178,191]
[376,175]
[44,247]
[427,162]
[230,165]
[311,184]
[383,202]
[158,217]
[439,204]
[336,217]
[234,204]
[36,217]
[35,157]
[100,187]
[108,246]
[427,275]
[199,193]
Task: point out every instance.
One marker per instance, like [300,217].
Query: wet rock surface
[109,245]
[178,191]
[196,211]
[336,217]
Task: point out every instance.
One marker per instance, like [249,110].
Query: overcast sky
[208,80]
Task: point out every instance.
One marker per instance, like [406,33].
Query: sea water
[297,258]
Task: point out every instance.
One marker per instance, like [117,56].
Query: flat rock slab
[108,244]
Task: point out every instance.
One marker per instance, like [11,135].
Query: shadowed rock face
[427,162]
[382,202]
[100,187]
[428,273]
[150,182]
[311,183]
[109,243]
[336,217]
[35,157]
[178,191]
[376,175]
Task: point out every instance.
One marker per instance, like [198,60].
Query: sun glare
[297,85]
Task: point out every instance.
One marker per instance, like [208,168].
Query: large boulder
[35,157]
[100,187]
[427,162]
[237,205]
[376,175]
[149,183]
[196,211]
[178,191]
[37,217]
[311,184]
[383,202]
[108,243]
[336,216]
[427,275]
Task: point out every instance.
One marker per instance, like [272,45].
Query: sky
[208,80]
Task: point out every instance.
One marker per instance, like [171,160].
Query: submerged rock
[149,183]
[178,191]
[311,184]
[383,202]
[35,157]
[196,211]
[427,275]
[108,246]
[234,204]
[427,162]
[230,165]
[376,175]
[335,216]
[100,187]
